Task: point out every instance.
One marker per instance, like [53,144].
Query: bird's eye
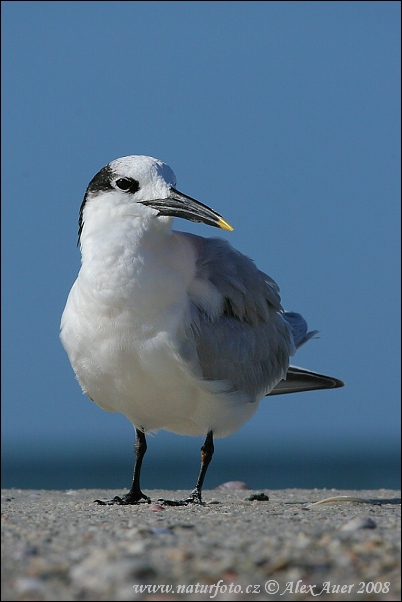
[128,185]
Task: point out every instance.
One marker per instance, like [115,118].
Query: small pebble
[358,523]
[25,552]
[257,497]
[155,508]
[233,485]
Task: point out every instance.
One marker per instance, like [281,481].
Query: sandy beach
[60,545]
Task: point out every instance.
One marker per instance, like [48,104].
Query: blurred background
[282,116]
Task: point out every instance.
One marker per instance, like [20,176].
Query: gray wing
[245,338]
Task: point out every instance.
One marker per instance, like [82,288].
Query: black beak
[178,204]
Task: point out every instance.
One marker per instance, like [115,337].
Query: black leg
[207,451]
[135,494]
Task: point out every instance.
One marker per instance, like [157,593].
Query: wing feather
[243,339]
[300,379]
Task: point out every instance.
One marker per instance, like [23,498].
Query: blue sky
[282,116]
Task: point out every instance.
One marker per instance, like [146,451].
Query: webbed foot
[193,498]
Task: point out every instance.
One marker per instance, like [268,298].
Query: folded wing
[239,332]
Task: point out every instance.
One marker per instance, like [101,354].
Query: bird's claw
[128,499]
[193,498]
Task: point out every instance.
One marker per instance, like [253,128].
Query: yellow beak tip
[225,225]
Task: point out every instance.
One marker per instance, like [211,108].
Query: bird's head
[148,182]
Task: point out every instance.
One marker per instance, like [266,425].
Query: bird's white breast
[125,313]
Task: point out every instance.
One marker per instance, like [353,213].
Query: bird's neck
[113,238]
[136,263]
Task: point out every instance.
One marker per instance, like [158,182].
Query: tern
[173,330]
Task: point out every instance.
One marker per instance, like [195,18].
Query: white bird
[173,330]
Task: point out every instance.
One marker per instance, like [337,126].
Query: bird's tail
[300,379]
[299,328]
